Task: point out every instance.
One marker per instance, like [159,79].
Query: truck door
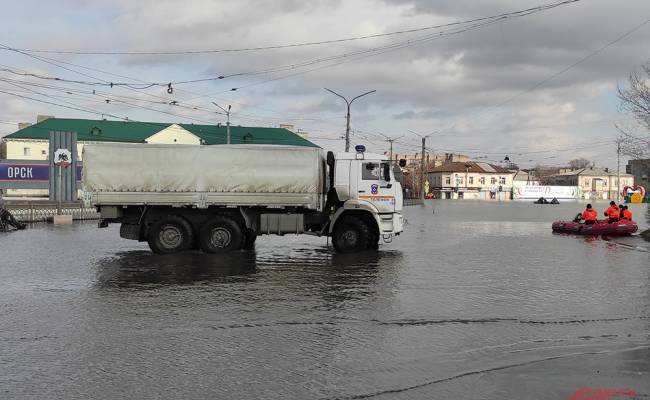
[376,185]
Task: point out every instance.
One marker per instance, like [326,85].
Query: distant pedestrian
[613,213]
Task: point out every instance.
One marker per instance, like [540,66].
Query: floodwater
[477,300]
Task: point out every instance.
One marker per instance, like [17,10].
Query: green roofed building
[31,142]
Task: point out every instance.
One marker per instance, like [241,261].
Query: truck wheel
[249,241]
[373,243]
[221,234]
[351,235]
[170,235]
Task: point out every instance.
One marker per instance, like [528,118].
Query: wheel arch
[365,215]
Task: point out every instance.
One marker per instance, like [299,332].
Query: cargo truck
[220,198]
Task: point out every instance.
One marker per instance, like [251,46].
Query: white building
[470,180]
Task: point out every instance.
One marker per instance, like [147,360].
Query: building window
[448,180]
[493,180]
[481,180]
[502,180]
[471,180]
[27,151]
[43,152]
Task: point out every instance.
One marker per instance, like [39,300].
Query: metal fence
[413,202]
[44,211]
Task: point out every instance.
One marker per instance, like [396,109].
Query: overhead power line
[457,28]
[301,44]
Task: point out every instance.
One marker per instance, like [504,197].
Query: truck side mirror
[402,163]
[387,172]
[330,159]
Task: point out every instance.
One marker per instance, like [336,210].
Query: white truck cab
[365,182]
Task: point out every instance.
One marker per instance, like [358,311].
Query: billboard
[535,192]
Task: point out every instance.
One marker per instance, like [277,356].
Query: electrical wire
[344,57]
[303,44]
[560,72]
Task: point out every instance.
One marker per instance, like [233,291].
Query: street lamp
[349,103]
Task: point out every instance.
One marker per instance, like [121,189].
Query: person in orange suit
[626,214]
[590,215]
[613,213]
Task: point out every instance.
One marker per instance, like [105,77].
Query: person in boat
[613,213]
[626,214]
[590,215]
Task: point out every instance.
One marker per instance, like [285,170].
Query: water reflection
[317,265]
[646,234]
[141,267]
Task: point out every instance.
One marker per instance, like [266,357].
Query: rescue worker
[590,215]
[613,212]
[626,214]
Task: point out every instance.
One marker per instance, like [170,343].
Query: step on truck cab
[220,198]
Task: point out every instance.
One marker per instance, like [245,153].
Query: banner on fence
[535,192]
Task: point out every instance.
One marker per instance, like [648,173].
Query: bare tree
[579,163]
[542,173]
[635,100]
[3,149]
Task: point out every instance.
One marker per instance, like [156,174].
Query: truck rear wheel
[221,234]
[351,235]
[170,235]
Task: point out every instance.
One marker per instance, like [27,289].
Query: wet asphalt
[476,300]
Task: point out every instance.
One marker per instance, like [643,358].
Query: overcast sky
[489,92]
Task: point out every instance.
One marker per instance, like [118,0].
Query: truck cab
[368,194]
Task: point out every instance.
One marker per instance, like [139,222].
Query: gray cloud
[453,84]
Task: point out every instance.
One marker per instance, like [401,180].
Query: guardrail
[413,202]
[44,211]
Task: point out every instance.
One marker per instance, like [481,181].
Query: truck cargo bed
[206,199]
[203,176]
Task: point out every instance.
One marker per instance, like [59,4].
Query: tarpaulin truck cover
[214,169]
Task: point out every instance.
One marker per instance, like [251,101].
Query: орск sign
[24,174]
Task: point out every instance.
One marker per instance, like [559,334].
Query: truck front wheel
[170,235]
[351,235]
[221,234]
[249,241]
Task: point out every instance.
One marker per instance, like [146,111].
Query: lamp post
[349,103]
[227,121]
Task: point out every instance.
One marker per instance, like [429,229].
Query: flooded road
[476,300]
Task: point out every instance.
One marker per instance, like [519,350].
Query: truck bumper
[391,224]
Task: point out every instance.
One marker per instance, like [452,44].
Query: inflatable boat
[622,227]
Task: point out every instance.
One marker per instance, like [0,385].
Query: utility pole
[422,173]
[390,140]
[618,170]
[227,121]
[349,103]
